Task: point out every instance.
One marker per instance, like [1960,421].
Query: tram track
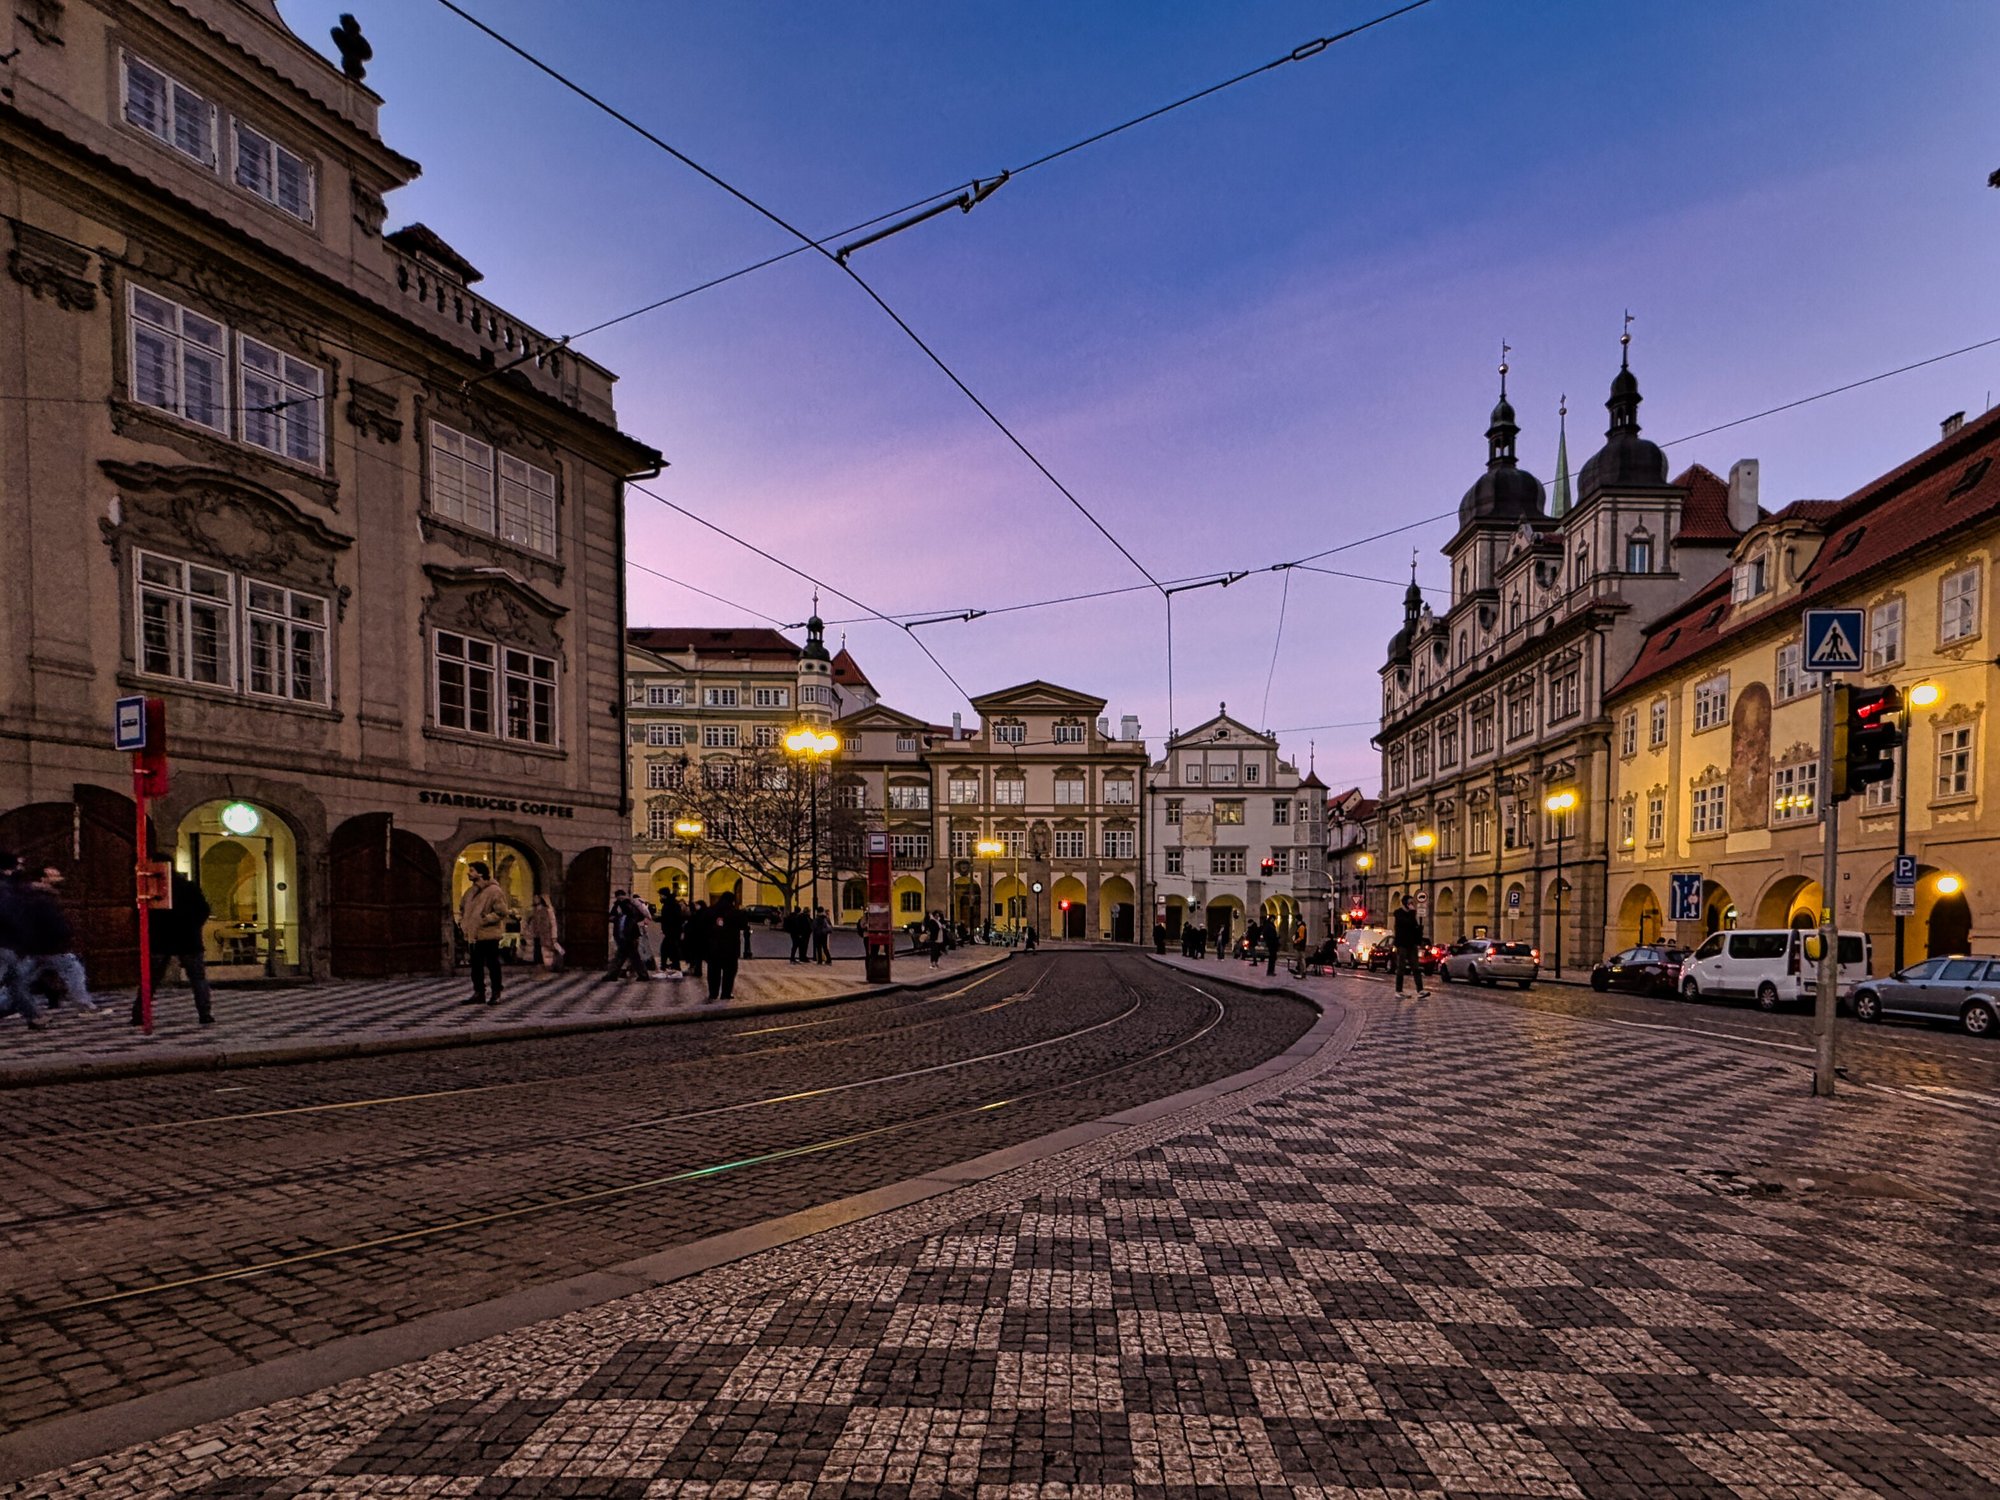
[704,1171]
[348,1169]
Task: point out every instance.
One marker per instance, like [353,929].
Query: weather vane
[1625,341]
[1505,350]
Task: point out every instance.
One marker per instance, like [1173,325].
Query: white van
[1768,965]
[1356,944]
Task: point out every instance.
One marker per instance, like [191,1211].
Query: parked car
[1490,961]
[769,915]
[1649,969]
[1383,956]
[1357,943]
[1768,966]
[1965,990]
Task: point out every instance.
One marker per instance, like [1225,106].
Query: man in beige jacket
[482,917]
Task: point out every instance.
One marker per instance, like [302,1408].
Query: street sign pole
[1828,992]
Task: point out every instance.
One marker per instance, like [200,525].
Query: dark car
[1383,957]
[1649,969]
[1965,990]
[772,915]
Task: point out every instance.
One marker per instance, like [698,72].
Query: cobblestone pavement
[367,1192]
[254,1023]
[1926,1061]
[1480,1254]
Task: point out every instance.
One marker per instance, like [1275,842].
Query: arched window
[1638,553]
[1514,613]
[1464,580]
[1464,648]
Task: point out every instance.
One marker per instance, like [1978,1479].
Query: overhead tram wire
[694,589]
[1277,640]
[1300,53]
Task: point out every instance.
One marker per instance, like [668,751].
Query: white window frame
[719,697]
[1066,734]
[1627,821]
[1628,732]
[659,695]
[476,663]
[1010,734]
[909,796]
[1708,810]
[1173,814]
[281,400]
[186,606]
[184,340]
[1885,634]
[1072,791]
[656,824]
[1959,607]
[1789,676]
[285,623]
[1176,862]
[1118,791]
[1956,748]
[175,98]
[1795,793]
[772,697]
[1656,725]
[475,485]
[1010,791]
[1225,861]
[719,737]
[1072,843]
[1711,702]
[962,791]
[526,505]
[260,170]
[1118,843]
[1281,812]
[765,737]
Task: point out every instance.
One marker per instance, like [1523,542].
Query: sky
[1258,327]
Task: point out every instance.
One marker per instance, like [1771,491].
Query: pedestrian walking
[1222,936]
[1267,934]
[822,932]
[1160,937]
[540,930]
[1034,938]
[483,914]
[1408,938]
[42,944]
[178,933]
[673,924]
[723,927]
[934,938]
[628,923]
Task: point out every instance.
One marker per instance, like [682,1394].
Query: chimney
[1743,494]
[1103,727]
[957,725]
[1128,727]
[1952,423]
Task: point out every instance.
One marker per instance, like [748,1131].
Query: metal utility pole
[1827,992]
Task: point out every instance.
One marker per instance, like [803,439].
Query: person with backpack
[628,922]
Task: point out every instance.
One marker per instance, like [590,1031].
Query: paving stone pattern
[254,1021]
[1463,1259]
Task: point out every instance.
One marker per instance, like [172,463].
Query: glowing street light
[689,832]
[1949,885]
[814,745]
[1560,804]
[1926,695]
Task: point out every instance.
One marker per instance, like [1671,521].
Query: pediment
[1038,696]
[218,516]
[493,603]
[881,716]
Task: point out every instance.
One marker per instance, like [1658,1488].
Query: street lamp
[689,832]
[1421,844]
[1923,695]
[988,850]
[1363,863]
[1561,805]
[812,745]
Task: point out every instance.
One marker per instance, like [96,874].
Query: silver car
[1965,990]
[1490,961]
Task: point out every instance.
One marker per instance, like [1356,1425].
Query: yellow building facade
[1716,727]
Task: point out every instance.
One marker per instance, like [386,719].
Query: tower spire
[1559,492]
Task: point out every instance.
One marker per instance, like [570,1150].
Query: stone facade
[359,527]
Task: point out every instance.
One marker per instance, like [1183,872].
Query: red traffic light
[1270,865]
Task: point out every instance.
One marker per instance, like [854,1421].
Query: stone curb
[35,1074]
[64,1441]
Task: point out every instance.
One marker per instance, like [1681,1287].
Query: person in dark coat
[178,932]
[1267,934]
[672,923]
[822,935]
[722,929]
[628,922]
[1222,936]
[798,927]
[694,937]
[1159,937]
[1408,938]
[43,944]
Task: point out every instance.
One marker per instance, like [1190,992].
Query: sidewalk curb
[64,1441]
[35,1075]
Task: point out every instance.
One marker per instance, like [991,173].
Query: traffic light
[1867,729]
[1065,905]
[1269,865]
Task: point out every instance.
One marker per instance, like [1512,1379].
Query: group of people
[37,948]
[652,944]
[486,914]
[814,929]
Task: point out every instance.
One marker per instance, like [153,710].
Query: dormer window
[1752,578]
[169,111]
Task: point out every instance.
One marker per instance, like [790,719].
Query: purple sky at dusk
[1256,328]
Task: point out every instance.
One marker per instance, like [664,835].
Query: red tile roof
[1705,515]
[749,641]
[847,671]
[1949,488]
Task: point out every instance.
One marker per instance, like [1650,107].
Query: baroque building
[1494,703]
[359,526]
[1235,833]
[1716,726]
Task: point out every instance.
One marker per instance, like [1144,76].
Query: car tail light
[1535,954]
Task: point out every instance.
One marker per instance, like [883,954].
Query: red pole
[139,877]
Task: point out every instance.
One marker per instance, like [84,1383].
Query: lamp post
[811,745]
[1560,805]
[1422,842]
[988,850]
[1363,863]
[1923,695]
[689,832]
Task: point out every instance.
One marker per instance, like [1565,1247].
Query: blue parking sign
[1684,898]
[1906,869]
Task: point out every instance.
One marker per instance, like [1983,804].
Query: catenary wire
[1277,640]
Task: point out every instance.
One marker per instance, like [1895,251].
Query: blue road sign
[1684,898]
[1833,640]
[1906,869]
[1514,899]
[128,724]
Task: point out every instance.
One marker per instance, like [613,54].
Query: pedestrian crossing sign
[1833,640]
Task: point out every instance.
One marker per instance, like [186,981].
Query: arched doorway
[586,910]
[1115,908]
[1638,917]
[1788,899]
[1514,913]
[1225,920]
[1718,908]
[853,898]
[518,873]
[1478,916]
[1072,920]
[1949,930]
[90,840]
[1445,926]
[722,881]
[666,877]
[244,858]
[906,900]
[1176,916]
[386,905]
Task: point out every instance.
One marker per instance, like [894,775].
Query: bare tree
[756,814]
